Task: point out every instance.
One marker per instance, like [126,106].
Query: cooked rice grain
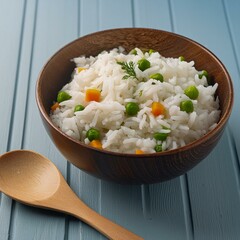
[122,133]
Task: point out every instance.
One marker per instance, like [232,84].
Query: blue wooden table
[202,204]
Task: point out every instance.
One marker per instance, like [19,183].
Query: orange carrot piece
[96,144]
[92,95]
[55,106]
[139,151]
[157,109]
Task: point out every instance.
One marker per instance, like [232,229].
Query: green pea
[63,96]
[132,108]
[143,64]
[186,106]
[157,76]
[160,136]
[192,92]
[158,148]
[182,58]
[93,134]
[204,73]
[133,51]
[78,108]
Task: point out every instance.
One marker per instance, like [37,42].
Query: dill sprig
[128,69]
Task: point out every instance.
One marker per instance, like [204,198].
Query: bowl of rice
[134,105]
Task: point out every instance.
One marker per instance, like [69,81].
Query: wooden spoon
[31,178]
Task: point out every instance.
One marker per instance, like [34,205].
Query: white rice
[121,133]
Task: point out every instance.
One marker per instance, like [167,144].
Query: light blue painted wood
[53,29]
[11,28]
[22,83]
[166,212]
[5,216]
[232,9]
[152,14]
[214,196]
[232,12]
[11,32]
[88,17]
[115,14]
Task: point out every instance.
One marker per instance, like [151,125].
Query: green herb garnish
[128,69]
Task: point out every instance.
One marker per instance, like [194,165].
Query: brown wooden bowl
[130,168]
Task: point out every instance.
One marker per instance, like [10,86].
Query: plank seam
[133,13]
[29,73]
[11,225]
[187,207]
[146,202]
[67,218]
[171,15]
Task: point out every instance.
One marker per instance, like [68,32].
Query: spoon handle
[67,201]
[108,228]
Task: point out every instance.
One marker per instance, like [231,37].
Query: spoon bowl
[23,185]
[31,178]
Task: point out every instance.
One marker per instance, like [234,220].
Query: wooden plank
[232,13]
[232,9]
[115,14]
[88,16]
[5,216]
[214,204]
[214,195]
[53,29]
[152,14]
[11,30]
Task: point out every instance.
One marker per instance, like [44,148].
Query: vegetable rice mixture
[139,102]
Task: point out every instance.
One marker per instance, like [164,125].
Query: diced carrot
[79,69]
[139,151]
[55,106]
[157,109]
[96,144]
[92,95]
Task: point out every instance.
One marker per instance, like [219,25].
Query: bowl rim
[220,125]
